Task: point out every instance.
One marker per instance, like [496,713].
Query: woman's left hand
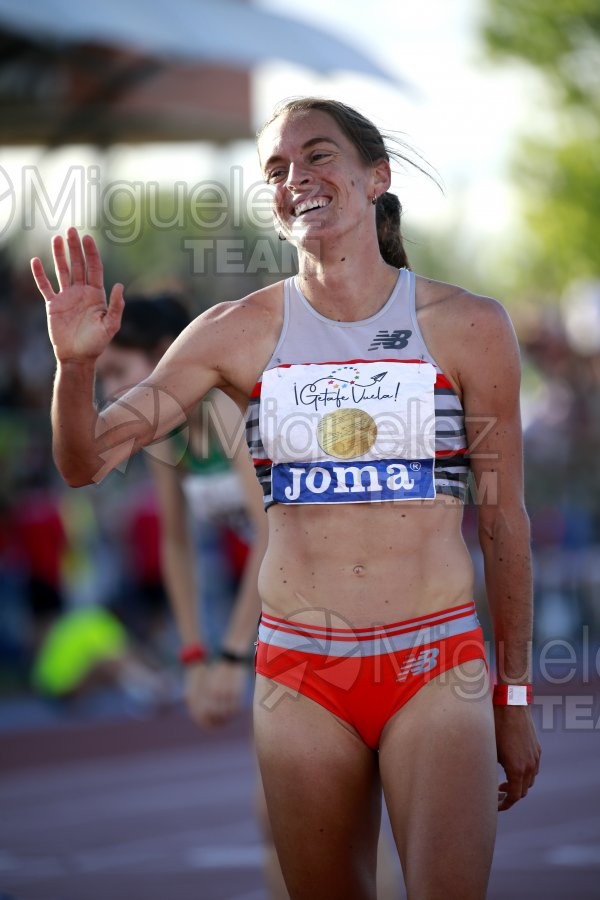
[519,753]
[222,694]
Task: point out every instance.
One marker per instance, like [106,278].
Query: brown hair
[371,147]
[148,322]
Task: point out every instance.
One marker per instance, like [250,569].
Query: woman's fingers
[95,270]
[76,254]
[41,279]
[83,267]
[114,312]
[61,266]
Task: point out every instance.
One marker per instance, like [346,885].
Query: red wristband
[512,695]
[192,653]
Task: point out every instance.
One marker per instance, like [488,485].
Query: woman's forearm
[507,557]
[75,423]
[181,584]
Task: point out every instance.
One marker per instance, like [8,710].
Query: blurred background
[135,122]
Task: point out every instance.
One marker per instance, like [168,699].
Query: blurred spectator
[41,542]
[88,649]
[562,447]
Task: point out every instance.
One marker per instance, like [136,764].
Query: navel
[360,570]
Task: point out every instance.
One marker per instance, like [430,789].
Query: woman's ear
[382,176]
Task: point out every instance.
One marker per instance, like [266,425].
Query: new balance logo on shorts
[395,340]
[416,665]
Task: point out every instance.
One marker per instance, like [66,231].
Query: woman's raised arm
[87,443]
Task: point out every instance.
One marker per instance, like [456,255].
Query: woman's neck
[348,288]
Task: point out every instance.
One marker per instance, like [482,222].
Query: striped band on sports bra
[451,467]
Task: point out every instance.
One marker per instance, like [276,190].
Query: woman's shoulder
[264,301]
[467,333]
[257,313]
[456,307]
[234,338]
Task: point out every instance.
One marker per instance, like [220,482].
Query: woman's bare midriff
[369,563]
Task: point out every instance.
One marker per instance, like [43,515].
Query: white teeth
[310,204]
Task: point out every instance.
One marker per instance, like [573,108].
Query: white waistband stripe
[365,642]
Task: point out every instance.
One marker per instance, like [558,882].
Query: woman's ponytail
[388,213]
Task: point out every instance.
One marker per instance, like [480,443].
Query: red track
[153,809]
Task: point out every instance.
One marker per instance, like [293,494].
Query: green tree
[559,178]
[561,38]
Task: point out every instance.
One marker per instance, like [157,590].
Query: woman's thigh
[323,795]
[439,774]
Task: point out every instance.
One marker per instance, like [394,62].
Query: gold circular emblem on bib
[346,433]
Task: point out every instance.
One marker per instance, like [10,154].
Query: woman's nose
[297,176]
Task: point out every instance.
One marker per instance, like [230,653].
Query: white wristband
[512,695]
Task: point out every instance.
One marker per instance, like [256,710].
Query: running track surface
[152,809]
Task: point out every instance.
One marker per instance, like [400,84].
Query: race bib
[344,432]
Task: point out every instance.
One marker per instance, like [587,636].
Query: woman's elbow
[80,474]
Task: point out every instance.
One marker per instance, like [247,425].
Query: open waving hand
[88,442]
[80,322]
[80,325]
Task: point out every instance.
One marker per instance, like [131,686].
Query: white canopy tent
[147,70]
[219,31]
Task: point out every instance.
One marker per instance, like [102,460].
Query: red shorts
[365,675]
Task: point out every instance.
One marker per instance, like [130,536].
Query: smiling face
[321,186]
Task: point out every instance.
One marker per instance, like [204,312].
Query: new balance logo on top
[416,665]
[396,340]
